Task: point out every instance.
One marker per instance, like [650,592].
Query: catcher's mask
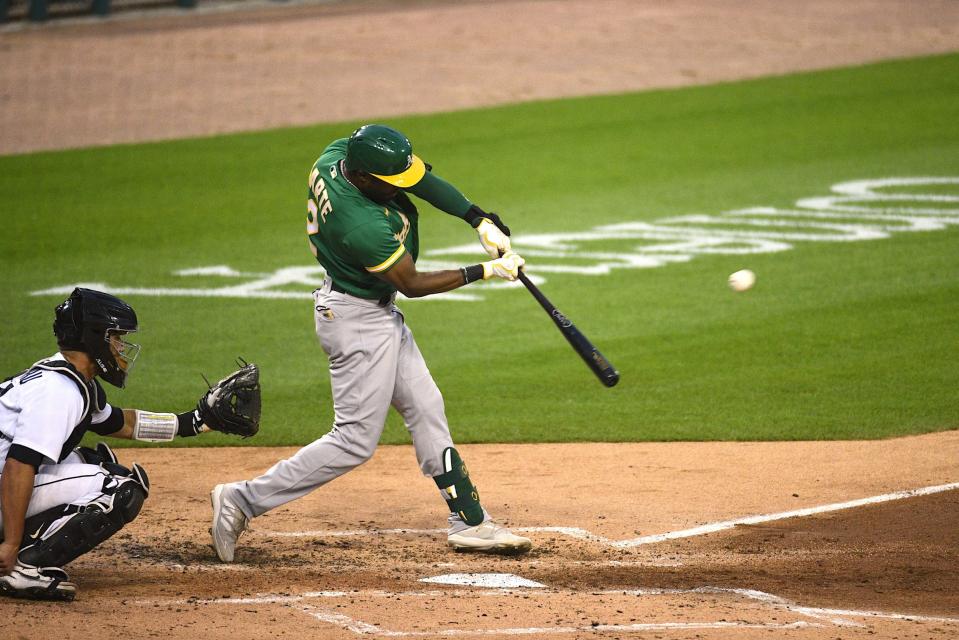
[384,153]
[97,323]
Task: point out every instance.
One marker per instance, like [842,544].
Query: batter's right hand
[8,557]
[506,267]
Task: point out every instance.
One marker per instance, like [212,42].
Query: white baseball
[742,280]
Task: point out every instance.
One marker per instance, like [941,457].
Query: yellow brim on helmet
[413,174]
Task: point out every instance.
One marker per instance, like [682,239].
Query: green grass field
[838,339]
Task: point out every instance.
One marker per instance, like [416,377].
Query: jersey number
[30,374]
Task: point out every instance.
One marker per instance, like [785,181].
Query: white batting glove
[506,267]
[494,241]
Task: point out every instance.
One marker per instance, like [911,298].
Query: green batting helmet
[384,153]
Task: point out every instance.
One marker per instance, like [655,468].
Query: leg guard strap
[458,490]
[77,529]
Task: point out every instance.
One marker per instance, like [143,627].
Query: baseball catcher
[57,500]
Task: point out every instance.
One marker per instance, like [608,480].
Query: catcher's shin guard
[458,490]
[62,534]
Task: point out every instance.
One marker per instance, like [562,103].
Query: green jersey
[355,238]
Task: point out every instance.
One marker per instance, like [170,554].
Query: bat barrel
[596,361]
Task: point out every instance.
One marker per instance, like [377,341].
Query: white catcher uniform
[45,411]
[80,496]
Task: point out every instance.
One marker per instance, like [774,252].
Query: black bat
[600,366]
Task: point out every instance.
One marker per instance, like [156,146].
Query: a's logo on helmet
[409,161]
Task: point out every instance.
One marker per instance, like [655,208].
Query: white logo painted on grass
[855,211]
[290,283]
[858,211]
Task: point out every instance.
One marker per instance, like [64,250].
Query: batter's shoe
[489,537]
[38,583]
[228,522]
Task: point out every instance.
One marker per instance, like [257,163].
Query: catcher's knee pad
[458,490]
[59,535]
[136,473]
[103,453]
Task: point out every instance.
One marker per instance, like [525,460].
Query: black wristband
[472,273]
[474,215]
[187,424]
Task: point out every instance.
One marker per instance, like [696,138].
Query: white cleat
[489,537]
[228,523]
[38,583]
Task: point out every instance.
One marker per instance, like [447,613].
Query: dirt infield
[351,558]
[127,80]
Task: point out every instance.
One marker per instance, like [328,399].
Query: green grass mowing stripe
[835,341]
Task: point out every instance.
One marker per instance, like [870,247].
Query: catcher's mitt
[232,405]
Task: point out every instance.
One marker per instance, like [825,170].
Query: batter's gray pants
[374,363]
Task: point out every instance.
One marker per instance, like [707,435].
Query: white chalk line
[239,568]
[796,513]
[349,533]
[834,617]
[364,628]
[873,614]
[188,568]
[583,534]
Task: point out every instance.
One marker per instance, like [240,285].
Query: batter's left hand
[494,237]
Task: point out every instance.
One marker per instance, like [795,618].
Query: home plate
[489,580]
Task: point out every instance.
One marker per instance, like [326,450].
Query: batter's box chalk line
[811,616]
[583,534]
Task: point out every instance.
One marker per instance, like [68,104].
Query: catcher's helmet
[95,323]
[384,153]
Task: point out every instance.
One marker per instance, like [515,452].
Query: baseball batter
[58,501]
[364,230]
